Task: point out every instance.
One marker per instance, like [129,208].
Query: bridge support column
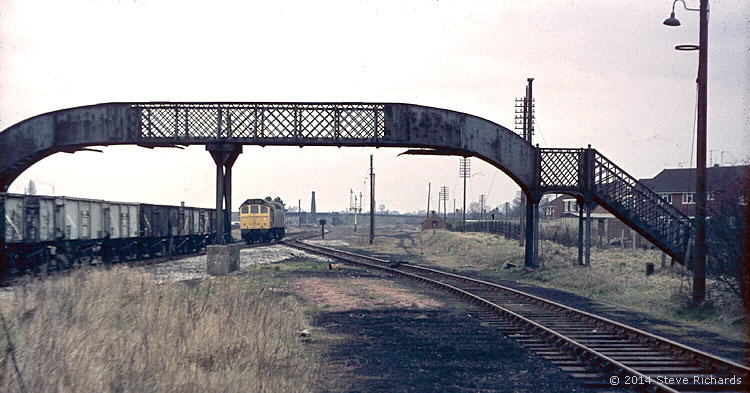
[587,236]
[224,155]
[532,233]
[3,262]
[581,262]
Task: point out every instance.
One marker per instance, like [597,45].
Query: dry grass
[119,331]
[616,276]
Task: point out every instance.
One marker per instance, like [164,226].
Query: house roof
[560,197]
[683,179]
[433,217]
[593,215]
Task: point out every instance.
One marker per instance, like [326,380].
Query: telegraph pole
[524,121]
[699,275]
[372,202]
[699,265]
[464,171]
[520,124]
[444,199]
[359,207]
[481,207]
[353,206]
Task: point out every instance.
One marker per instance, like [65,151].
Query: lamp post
[699,268]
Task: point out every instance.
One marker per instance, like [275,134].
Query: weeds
[119,331]
[616,276]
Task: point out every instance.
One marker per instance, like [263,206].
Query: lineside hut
[433,222]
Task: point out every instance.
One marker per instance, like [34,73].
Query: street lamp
[699,269]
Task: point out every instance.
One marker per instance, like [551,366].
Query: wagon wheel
[75,257]
[62,262]
[45,261]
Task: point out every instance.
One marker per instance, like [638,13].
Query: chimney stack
[313,212]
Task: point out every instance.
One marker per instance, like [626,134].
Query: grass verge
[616,276]
[119,331]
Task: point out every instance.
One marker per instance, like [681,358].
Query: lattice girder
[248,121]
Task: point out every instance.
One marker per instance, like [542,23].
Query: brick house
[725,185]
[566,206]
[677,186]
[560,220]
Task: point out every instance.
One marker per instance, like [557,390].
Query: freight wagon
[43,232]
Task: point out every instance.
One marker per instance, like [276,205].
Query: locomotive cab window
[254,209]
[264,209]
[244,209]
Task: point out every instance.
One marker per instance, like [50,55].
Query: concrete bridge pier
[224,155]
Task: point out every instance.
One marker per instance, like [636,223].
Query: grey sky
[605,73]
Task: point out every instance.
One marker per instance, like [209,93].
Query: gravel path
[383,345]
[193,268]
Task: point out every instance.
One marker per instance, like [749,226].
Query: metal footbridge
[225,126]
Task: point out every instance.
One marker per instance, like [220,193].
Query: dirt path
[386,335]
[693,336]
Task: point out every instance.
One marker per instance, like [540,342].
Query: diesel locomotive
[261,221]
[54,232]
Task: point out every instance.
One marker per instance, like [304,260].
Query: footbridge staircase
[593,178]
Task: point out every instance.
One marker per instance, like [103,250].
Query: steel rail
[634,332]
[146,261]
[590,356]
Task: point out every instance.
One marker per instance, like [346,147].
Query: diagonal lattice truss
[561,169]
[584,171]
[303,121]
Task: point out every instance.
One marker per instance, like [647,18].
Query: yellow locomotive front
[261,221]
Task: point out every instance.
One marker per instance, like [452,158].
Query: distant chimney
[313,211]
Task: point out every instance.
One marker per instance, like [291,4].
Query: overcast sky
[606,74]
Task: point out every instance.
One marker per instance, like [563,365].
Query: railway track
[600,352]
[146,261]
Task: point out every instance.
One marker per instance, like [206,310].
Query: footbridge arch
[303,124]
[225,126]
